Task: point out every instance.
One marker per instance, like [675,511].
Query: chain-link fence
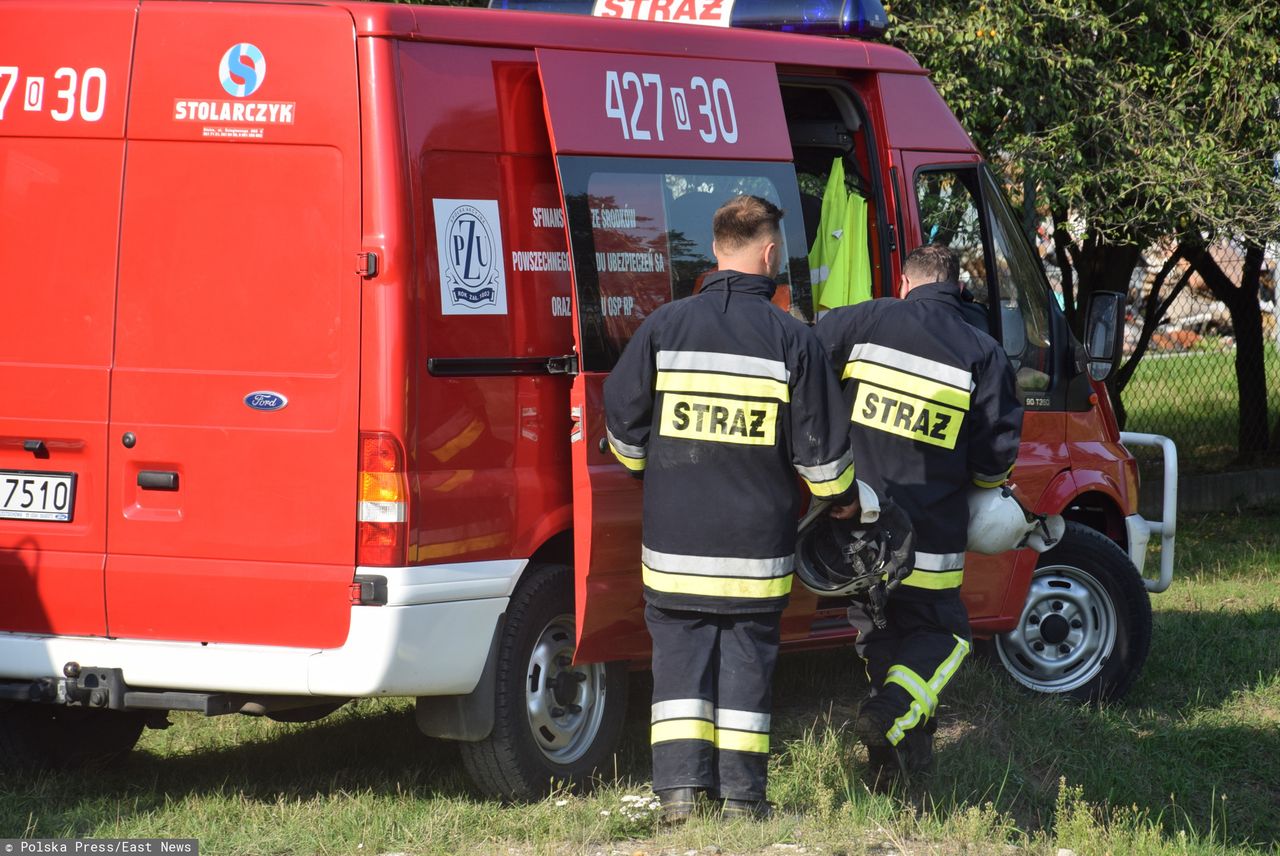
[1184,385]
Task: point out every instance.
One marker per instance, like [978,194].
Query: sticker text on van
[243,112]
[707,13]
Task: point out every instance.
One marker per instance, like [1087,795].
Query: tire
[36,736]
[554,725]
[1085,629]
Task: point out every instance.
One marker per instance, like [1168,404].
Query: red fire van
[306,314]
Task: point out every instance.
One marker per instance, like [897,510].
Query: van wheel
[554,724]
[1086,627]
[52,736]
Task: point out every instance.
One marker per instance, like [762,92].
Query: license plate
[37,496]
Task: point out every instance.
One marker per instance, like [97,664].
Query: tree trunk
[1152,315]
[1064,249]
[1246,320]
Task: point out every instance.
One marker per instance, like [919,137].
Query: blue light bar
[859,18]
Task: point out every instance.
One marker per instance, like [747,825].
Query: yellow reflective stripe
[636,465]
[923,703]
[715,586]
[742,741]
[905,723]
[682,729]
[915,686]
[934,580]
[987,480]
[949,666]
[723,384]
[919,366]
[835,486]
[904,382]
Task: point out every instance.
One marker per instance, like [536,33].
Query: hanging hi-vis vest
[830,229]
[840,263]
[720,400]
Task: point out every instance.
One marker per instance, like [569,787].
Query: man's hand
[846,512]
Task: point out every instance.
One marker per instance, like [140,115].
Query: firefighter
[719,400]
[933,411]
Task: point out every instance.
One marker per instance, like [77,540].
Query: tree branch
[1152,314]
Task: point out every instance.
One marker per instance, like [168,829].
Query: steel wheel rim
[1066,633]
[561,733]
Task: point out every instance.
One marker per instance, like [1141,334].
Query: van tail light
[382,527]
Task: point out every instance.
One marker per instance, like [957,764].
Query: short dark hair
[744,219]
[932,263]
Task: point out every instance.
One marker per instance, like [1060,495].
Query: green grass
[1189,763]
[1193,399]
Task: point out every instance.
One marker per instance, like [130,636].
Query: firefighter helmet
[998,522]
[835,558]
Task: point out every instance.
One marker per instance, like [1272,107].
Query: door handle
[157,480]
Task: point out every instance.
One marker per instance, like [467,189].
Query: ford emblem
[265,400]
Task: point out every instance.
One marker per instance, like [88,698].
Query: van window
[640,231]
[950,214]
[1024,294]
[994,259]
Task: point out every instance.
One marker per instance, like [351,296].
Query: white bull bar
[1139,529]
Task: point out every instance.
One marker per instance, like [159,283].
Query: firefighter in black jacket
[719,400]
[934,413]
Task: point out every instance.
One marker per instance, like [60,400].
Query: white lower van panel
[429,649]
[432,639]
[422,649]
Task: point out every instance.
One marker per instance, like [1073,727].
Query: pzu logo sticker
[472,265]
[242,70]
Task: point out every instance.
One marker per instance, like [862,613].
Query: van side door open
[692,133]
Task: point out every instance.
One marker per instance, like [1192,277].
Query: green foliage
[1141,119]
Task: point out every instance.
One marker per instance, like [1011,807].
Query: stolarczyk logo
[242,70]
[471,266]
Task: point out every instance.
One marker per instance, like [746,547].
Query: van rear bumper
[402,649]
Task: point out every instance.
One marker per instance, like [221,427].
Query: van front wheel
[554,723]
[1085,628]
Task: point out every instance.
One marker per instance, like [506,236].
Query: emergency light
[859,18]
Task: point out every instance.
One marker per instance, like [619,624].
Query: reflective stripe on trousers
[924,694]
[710,718]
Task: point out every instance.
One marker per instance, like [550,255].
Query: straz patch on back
[720,420]
[907,416]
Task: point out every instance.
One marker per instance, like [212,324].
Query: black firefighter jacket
[719,400]
[934,411]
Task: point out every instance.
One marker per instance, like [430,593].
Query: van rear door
[63,86]
[647,148]
[234,396]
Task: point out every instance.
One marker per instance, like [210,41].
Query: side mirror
[1104,332]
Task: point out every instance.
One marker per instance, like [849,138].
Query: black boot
[677,804]
[884,763]
[915,753]
[746,810]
